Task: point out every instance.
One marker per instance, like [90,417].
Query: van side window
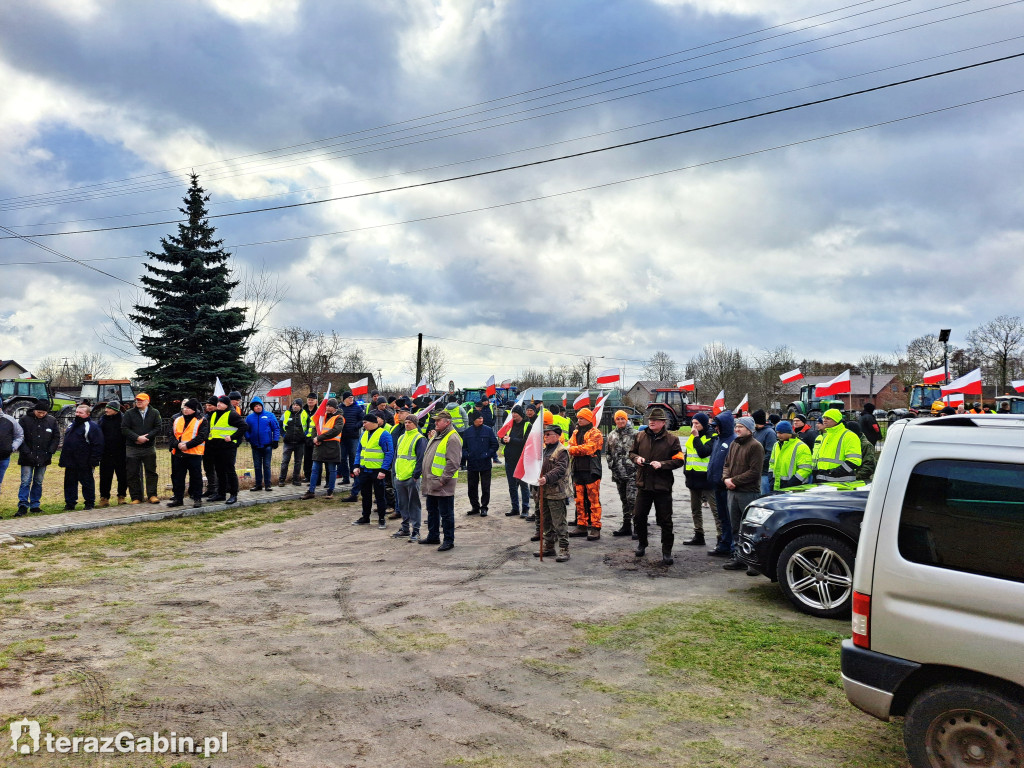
[965,516]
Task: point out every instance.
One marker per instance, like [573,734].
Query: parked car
[938,602]
[807,541]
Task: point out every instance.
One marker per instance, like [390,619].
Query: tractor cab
[99,392]
[28,388]
[923,395]
[810,406]
[1016,403]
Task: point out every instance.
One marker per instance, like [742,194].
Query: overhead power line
[458,109]
[48,249]
[560,158]
[390,143]
[546,145]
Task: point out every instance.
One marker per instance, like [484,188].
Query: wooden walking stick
[540,519]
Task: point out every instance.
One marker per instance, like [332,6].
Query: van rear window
[965,516]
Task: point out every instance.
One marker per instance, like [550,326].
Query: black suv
[806,541]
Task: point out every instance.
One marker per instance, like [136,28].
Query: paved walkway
[44,525]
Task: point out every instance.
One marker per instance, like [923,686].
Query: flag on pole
[321,411]
[608,377]
[791,376]
[719,404]
[218,389]
[506,384]
[360,387]
[743,406]
[599,409]
[837,386]
[968,385]
[582,401]
[687,386]
[934,376]
[491,390]
[506,426]
[565,396]
[421,389]
[953,399]
[424,411]
[1018,385]
[281,389]
[532,459]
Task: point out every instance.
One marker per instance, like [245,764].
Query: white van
[938,605]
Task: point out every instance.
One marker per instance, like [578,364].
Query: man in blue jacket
[479,447]
[375,458]
[80,455]
[263,433]
[724,425]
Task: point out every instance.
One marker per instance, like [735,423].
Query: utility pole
[419,359]
[587,386]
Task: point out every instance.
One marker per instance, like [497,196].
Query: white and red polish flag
[791,376]
[281,389]
[719,404]
[491,390]
[565,396]
[321,410]
[608,377]
[423,412]
[360,387]
[968,385]
[934,376]
[743,406]
[687,386]
[506,384]
[837,386]
[599,409]
[421,389]
[1018,385]
[507,424]
[532,459]
[582,401]
[954,399]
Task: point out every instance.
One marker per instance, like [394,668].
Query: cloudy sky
[836,246]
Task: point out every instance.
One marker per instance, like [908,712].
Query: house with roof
[12,369]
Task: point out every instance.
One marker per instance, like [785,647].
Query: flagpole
[540,519]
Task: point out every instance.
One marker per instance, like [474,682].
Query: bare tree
[999,342]
[309,355]
[716,367]
[870,365]
[661,367]
[925,353]
[85,364]
[435,365]
[259,293]
[531,377]
[354,360]
[582,373]
[765,367]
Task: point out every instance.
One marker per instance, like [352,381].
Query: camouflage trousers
[627,495]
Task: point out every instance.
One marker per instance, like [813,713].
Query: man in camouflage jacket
[619,443]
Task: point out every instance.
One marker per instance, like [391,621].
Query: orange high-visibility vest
[185,435]
[329,425]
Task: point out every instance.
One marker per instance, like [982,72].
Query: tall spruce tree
[189,331]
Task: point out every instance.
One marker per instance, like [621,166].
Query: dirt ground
[313,642]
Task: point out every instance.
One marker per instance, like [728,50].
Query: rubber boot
[666,556]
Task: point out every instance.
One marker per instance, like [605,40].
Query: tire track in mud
[490,566]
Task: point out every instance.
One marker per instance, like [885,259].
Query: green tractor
[810,406]
[19,395]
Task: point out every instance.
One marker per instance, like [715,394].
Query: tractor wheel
[18,408]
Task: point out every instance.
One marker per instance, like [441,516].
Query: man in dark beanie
[353,414]
[479,447]
[870,429]
[312,403]
[188,435]
[698,458]
[236,402]
[766,436]
[294,428]
[227,428]
[804,430]
[515,441]
[209,469]
[80,455]
[113,462]
[376,455]
[326,449]
[41,439]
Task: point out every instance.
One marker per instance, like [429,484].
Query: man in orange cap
[141,426]
[620,443]
[585,449]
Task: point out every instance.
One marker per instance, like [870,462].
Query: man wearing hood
[515,441]
[698,456]
[188,436]
[11,438]
[741,475]
[837,451]
[766,436]
[80,455]
[585,449]
[866,470]
[227,428]
[656,454]
[620,443]
[870,429]
[294,427]
[263,433]
[724,425]
[112,464]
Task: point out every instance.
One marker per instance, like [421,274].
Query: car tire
[964,724]
[815,572]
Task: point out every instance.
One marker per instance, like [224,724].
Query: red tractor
[677,407]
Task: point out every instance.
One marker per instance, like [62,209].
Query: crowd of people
[395,455]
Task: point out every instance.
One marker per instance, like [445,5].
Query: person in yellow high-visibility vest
[441,461]
[408,470]
[837,451]
[227,429]
[790,463]
[376,454]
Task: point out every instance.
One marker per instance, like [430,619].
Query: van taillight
[861,620]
